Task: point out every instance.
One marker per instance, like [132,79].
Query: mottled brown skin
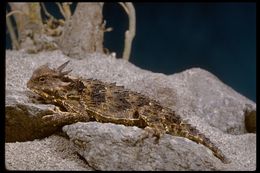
[104,102]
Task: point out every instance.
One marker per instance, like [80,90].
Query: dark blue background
[172,37]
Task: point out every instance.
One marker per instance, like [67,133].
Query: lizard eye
[42,79]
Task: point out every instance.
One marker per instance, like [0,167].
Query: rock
[250,121]
[107,146]
[213,101]
[195,94]
[51,153]
[23,122]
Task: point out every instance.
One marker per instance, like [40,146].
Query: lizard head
[48,82]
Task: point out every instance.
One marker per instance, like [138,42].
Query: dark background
[172,37]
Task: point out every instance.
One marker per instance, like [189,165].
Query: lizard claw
[48,117]
[151,132]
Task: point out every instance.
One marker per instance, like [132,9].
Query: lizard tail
[186,130]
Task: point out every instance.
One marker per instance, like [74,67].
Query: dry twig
[14,41]
[46,12]
[130,33]
[65,9]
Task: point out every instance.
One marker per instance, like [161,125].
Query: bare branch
[125,7]
[30,28]
[109,29]
[129,34]
[15,44]
[61,9]
[46,12]
[13,12]
[65,9]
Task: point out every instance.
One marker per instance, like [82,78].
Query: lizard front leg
[60,118]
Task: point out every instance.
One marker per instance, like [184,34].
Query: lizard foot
[150,132]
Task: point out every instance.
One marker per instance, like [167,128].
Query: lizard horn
[60,68]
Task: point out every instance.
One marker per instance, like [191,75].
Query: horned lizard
[106,102]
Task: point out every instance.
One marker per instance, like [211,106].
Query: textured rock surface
[198,96]
[51,153]
[116,147]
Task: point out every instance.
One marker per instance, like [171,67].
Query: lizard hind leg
[153,128]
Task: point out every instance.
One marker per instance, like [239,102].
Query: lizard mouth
[42,94]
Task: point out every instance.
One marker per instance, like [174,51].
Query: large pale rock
[116,147]
[196,95]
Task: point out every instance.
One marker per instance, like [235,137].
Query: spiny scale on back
[106,102]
